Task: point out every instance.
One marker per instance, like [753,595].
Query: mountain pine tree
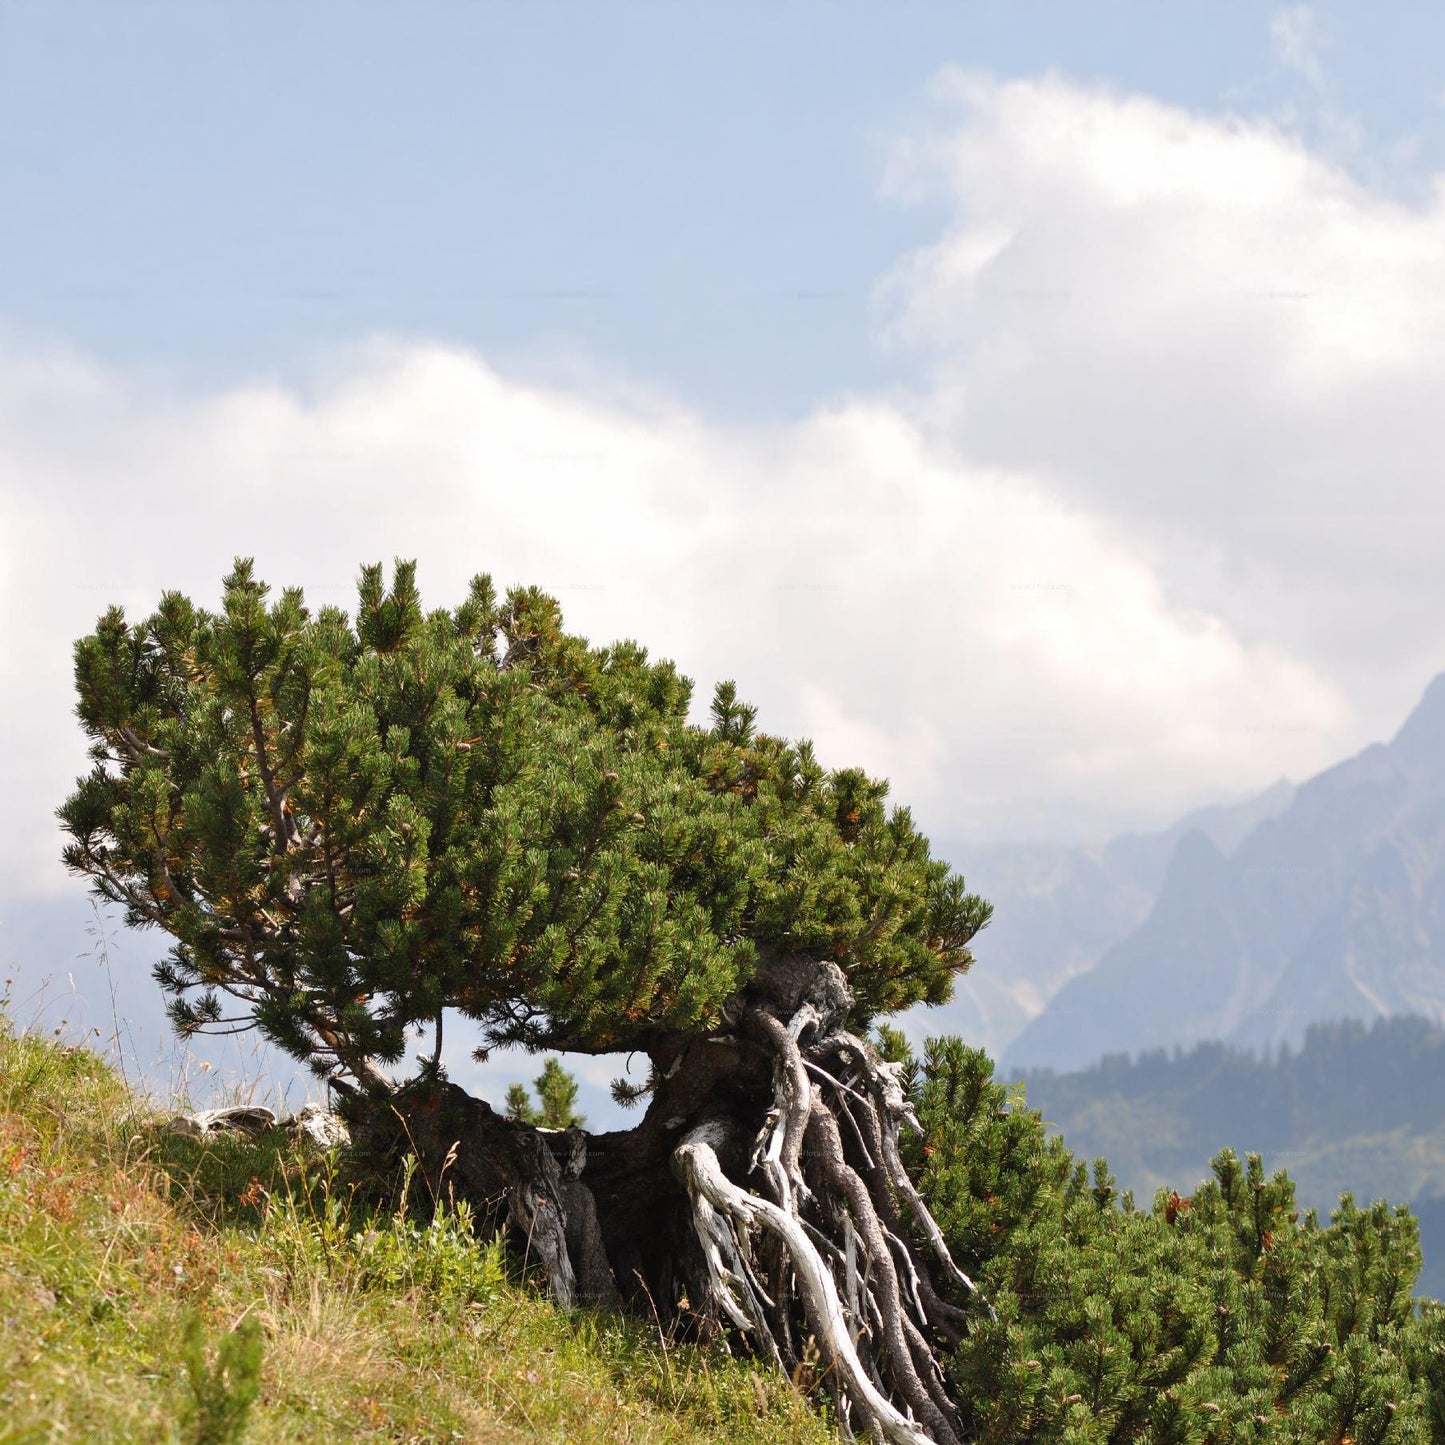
[520,1108]
[352,828]
[556,1106]
[557,1096]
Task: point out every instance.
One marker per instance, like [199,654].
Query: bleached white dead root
[833,1237]
[722,1200]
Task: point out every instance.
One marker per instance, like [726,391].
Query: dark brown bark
[760,1192]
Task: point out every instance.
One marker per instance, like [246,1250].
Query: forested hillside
[1358,1109]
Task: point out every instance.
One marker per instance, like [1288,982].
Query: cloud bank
[1007,660]
[1201,330]
[1158,521]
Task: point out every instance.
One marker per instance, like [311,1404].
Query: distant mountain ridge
[1333,907]
[1058,909]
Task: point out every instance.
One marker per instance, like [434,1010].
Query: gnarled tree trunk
[763,1190]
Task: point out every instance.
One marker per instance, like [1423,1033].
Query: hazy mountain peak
[1332,907]
[1195,851]
[1422,736]
[1228,825]
[1057,909]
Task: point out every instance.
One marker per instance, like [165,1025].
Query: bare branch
[139,748]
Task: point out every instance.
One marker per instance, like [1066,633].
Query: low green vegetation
[1355,1109]
[159,1288]
[1225,1316]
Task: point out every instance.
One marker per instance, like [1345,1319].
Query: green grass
[160,1288]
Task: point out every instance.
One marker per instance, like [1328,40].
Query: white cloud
[1199,329]
[1015,665]
[1167,497]
[1298,41]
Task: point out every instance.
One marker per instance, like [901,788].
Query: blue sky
[1037,404]
[690,193]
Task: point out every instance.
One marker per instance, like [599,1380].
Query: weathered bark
[528,1178]
[763,1191]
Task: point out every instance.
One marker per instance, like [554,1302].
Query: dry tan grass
[114,1235]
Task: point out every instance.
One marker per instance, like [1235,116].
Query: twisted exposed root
[697,1165]
[849,1228]
[883,1285]
[891,1101]
[781,1145]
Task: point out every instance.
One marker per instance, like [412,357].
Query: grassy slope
[116,1239]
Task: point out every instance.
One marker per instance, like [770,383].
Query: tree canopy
[349,826]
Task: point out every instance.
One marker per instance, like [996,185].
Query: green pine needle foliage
[519,1107]
[556,1106]
[351,824]
[557,1095]
[1224,1317]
